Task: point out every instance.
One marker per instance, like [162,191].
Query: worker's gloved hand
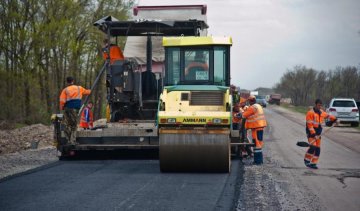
[329,123]
[312,135]
[239,115]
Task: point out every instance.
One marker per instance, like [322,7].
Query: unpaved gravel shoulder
[26,148]
[28,137]
[269,187]
[22,161]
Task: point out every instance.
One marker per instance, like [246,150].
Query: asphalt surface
[134,182]
[122,184]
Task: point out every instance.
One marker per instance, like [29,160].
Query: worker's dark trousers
[257,135]
[258,156]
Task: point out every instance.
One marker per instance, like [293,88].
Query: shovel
[306,144]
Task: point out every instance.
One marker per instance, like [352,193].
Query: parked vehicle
[345,110]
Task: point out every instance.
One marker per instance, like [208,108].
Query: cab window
[220,66]
[173,66]
[196,66]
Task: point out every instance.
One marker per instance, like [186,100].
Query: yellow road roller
[194,111]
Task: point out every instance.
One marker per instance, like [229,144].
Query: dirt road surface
[123,183]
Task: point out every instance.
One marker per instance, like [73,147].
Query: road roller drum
[194,150]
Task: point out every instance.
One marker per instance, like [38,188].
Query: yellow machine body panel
[196,41]
[180,110]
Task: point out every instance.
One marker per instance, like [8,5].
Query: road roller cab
[194,114]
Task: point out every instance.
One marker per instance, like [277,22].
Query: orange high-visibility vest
[243,109]
[115,53]
[255,117]
[70,97]
[236,119]
[86,120]
[314,120]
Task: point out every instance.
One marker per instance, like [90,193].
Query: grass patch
[19,125]
[299,109]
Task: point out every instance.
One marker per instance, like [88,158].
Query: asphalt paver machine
[132,93]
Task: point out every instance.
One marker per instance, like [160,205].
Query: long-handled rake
[306,144]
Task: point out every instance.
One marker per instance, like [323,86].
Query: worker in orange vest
[255,120]
[86,120]
[243,132]
[236,120]
[314,118]
[200,63]
[242,108]
[114,51]
[70,102]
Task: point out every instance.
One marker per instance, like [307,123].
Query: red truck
[275,99]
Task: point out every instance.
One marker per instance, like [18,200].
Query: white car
[345,110]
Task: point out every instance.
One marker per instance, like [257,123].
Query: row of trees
[303,85]
[43,42]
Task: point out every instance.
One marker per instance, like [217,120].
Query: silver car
[345,110]
[262,102]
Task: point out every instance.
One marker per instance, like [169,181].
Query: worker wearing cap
[255,120]
[86,120]
[112,51]
[70,102]
[314,118]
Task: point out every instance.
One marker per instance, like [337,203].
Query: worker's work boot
[258,156]
[312,166]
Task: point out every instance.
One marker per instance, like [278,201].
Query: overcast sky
[271,36]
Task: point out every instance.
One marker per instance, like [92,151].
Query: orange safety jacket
[236,119]
[314,120]
[70,97]
[243,109]
[255,117]
[202,65]
[115,53]
[86,120]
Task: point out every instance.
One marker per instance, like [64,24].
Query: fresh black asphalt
[119,184]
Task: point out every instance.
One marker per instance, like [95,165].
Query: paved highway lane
[118,185]
[282,183]
[284,180]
